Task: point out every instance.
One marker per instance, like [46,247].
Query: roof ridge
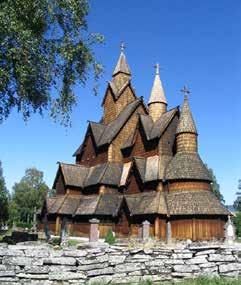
[104,171]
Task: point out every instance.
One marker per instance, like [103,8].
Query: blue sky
[197,43]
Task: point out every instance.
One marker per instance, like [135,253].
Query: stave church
[138,163]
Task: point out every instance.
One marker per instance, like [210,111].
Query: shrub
[24,225]
[110,238]
[55,241]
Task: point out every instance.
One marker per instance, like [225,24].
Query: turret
[121,73]
[157,103]
[186,133]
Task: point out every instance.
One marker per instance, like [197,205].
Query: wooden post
[194,236]
[57,225]
[160,187]
[157,228]
[94,230]
[145,230]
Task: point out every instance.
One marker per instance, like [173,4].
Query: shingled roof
[74,174]
[155,129]
[194,202]
[146,203]
[122,65]
[187,166]
[104,134]
[152,168]
[82,176]
[186,123]
[106,204]
[157,92]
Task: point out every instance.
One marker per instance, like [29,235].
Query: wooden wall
[167,140]
[197,228]
[114,152]
[59,185]
[90,155]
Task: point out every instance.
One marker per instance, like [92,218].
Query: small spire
[122,65]
[186,123]
[157,92]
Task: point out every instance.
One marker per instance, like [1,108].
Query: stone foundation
[41,264]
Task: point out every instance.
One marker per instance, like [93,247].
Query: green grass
[73,242]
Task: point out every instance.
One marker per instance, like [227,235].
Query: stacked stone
[24,264]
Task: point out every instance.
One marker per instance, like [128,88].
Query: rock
[33,276]
[11,252]
[7,274]
[37,269]
[173,261]
[92,266]
[220,257]
[127,280]
[186,268]
[36,253]
[116,259]
[75,253]
[197,260]
[141,256]
[182,255]
[205,252]
[60,260]
[128,267]
[104,279]
[62,276]
[22,261]
[154,262]
[229,267]
[103,271]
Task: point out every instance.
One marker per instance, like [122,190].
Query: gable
[116,99]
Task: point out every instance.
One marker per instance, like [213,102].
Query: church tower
[186,133]
[121,73]
[157,102]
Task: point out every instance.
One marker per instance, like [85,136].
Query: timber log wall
[41,264]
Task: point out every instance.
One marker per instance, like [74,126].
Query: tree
[4,198]
[28,195]
[44,44]
[237,202]
[215,187]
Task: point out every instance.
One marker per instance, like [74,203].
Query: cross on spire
[122,47]
[157,68]
[185,91]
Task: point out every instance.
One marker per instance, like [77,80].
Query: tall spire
[186,123]
[122,65]
[157,92]
[157,102]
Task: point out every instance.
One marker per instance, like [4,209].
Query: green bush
[110,238]
[55,241]
[24,225]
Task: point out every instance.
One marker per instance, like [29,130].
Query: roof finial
[122,47]
[185,91]
[157,68]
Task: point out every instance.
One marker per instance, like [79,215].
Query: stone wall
[41,264]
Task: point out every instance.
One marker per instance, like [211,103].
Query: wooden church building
[137,163]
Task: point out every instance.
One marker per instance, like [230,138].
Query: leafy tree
[237,202]
[4,198]
[215,186]
[28,195]
[237,222]
[44,44]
